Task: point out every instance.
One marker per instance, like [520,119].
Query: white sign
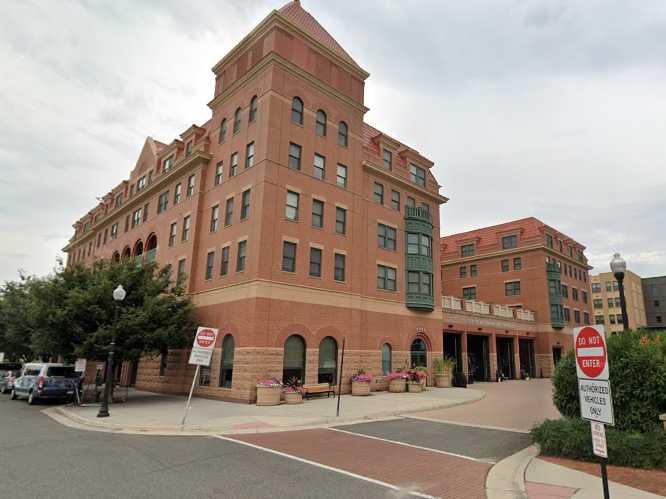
[591,352]
[202,348]
[599,439]
[80,366]
[596,403]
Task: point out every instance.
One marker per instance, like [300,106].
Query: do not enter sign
[591,354]
[205,338]
[202,348]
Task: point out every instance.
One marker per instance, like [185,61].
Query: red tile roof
[304,20]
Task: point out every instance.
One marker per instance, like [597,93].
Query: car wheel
[31,399]
[14,396]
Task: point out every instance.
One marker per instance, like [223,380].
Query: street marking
[484,461]
[323,466]
[458,423]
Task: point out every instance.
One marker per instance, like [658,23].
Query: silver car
[9,371]
[41,381]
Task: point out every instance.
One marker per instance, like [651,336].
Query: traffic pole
[604,478]
[189,398]
[342,364]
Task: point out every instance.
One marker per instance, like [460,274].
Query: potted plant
[443,371]
[269,391]
[424,375]
[293,391]
[397,381]
[361,383]
[416,379]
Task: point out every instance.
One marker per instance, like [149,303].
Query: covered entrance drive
[527,359]
[453,349]
[479,358]
[505,358]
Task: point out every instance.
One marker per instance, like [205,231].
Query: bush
[571,438]
[638,380]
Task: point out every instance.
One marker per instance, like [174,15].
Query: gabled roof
[296,14]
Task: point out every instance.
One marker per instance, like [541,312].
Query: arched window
[223,131]
[237,120]
[227,362]
[328,361]
[127,253]
[253,109]
[297,110]
[138,250]
[418,353]
[151,248]
[116,257]
[386,359]
[293,364]
[343,133]
[320,126]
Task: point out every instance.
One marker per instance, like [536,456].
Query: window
[655,303]
[505,265]
[227,362]
[294,156]
[204,376]
[608,286]
[418,354]
[136,217]
[210,260]
[565,291]
[426,207]
[549,240]
[319,166]
[173,232]
[341,178]
[426,283]
[240,258]
[249,155]
[386,278]
[473,270]
[615,286]
[141,183]
[291,208]
[610,303]
[379,193]
[411,202]
[190,185]
[388,159]
[658,319]
[340,220]
[469,293]
[567,314]
[509,242]
[252,115]
[467,250]
[611,319]
[462,272]
[395,200]
[188,148]
[288,256]
[328,358]
[599,319]
[186,228]
[386,359]
[584,296]
[419,282]
[417,175]
[598,303]
[586,318]
[596,287]
[343,131]
[386,236]
[512,288]
[517,263]
[119,200]
[219,173]
[245,205]
[297,111]
[224,265]
[214,218]
[618,303]
[229,212]
[577,316]
[181,269]
[114,231]
[293,361]
[167,163]
[237,121]
[574,294]
[163,202]
[320,125]
[223,132]
[233,168]
[177,193]
[318,213]
[315,262]
[412,243]
[339,270]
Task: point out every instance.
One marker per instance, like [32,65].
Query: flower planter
[398,385]
[415,387]
[360,388]
[443,380]
[268,395]
[293,398]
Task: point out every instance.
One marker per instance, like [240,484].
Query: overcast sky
[528,108]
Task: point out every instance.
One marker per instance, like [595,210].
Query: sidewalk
[152,413]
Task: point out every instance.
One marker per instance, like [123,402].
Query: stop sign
[591,354]
[205,338]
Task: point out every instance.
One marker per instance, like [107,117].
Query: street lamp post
[619,267]
[118,296]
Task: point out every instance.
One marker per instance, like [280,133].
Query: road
[41,458]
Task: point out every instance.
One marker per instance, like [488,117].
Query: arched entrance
[328,361]
[127,253]
[151,248]
[138,251]
[115,258]
[418,353]
[293,363]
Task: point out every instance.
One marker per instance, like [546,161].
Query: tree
[16,314]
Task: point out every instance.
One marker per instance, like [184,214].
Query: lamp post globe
[119,293]
[619,267]
[118,296]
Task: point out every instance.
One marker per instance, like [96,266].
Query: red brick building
[515,266]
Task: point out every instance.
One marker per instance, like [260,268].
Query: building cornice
[381,172]
[513,251]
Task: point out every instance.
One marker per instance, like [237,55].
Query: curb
[506,480]
[69,418]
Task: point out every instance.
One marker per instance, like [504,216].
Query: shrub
[638,380]
[571,438]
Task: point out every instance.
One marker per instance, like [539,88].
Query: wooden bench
[318,389]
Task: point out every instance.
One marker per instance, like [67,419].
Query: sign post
[202,352]
[594,390]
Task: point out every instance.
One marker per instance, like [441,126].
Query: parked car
[41,381]
[9,371]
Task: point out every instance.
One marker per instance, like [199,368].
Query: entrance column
[516,357]
[465,363]
[493,357]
